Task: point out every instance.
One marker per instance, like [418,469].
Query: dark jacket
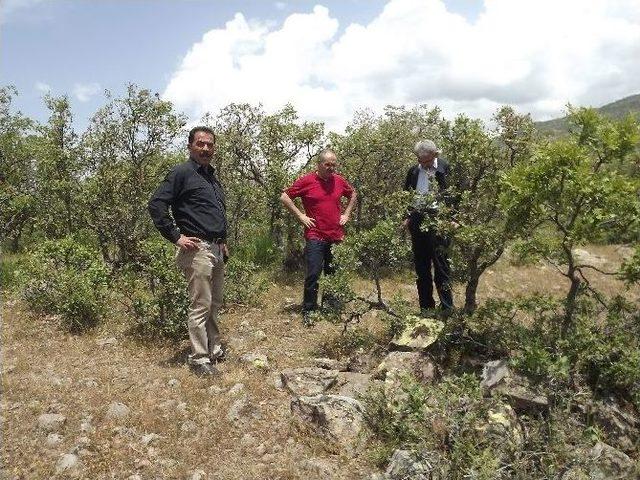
[410,183]
[197,203]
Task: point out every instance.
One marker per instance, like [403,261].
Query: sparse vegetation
[561,312]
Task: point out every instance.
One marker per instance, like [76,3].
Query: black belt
[216,240]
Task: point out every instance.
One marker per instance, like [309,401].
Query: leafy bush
[244,282]
[9,267]
[66,278]
[346,344]
[156,291]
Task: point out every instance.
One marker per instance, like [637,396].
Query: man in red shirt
[321,193]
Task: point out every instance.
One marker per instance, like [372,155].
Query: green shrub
[157,293]
[347,343]
[244,282]
[9,266]
[66,278]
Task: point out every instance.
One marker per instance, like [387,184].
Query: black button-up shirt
[197,203]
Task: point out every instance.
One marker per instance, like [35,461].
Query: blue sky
[328,58]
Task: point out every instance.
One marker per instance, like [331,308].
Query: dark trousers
[318,258]
[431,249]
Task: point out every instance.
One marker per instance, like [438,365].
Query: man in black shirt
[197,204]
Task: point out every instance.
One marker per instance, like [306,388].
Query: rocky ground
[105,405]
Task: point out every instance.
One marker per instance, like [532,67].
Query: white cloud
[84,91]
[536,55]
[43,87]
[9,7]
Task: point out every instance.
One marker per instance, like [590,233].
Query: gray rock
[622,427]
[497,379]
[118,410]
[51,422]
[308,381]
[198,475]
[242,411]
[318,468]
[53,440]
[416,364]
[257,360]
[261,449]
[68,464]
[339,421]
[419,334]
[259,335]
[103,342]
[135,476]
[585,257]
[610,463]
[173,383]
[216,390]
[149,438]
[494,372]
[236,389]
[248,440]
[352,384]
[276,380]
[403,464]
[189,426]
[330,364]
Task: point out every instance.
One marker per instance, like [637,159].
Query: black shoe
[219,354]
[204,370]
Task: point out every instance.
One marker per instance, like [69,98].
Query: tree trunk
[470,294]
[570,302]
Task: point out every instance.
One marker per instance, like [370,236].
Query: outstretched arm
[308,222]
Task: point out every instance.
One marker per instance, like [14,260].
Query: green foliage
[128,147]
[630,271]
[571,189]
[10,264]
[66,278]
[17,196]
[355,340]
[156,292]
[244,282]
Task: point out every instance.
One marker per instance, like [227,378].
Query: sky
[329,58]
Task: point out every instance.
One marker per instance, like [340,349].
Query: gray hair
[324,153]
[425,147]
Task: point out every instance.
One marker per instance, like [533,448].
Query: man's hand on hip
[188,243]
[344,219]
[307,221]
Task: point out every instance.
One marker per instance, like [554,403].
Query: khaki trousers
[204,271]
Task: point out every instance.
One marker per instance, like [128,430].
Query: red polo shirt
[321,201]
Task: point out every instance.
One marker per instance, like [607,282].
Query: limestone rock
[419,334]
[51,422]
[415,363]
[610,463]
[198,475]
[494,372]
[337,420]
[242,411]
[69,465]
[308,381]
[258,360]
[236,389]
[330,364]
[53,440]
[118,410]
[353,384]
[103,342]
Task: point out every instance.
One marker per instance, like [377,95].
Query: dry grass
[45,370]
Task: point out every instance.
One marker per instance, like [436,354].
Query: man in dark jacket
[195,196]
[428,179]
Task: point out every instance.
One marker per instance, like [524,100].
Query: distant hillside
[617,109]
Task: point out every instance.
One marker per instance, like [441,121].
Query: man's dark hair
[195,130]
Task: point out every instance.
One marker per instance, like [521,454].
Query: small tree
[17,177]
[128,148]
[479,158]
[573,195]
